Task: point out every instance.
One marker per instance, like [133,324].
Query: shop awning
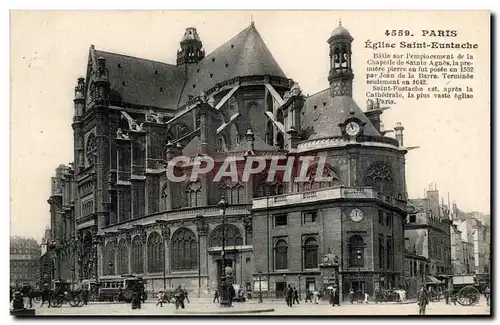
[429,279]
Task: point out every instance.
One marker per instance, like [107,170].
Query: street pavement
[206,307]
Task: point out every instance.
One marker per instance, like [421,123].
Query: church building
[133,116]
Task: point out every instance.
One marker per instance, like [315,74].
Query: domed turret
[191,48]
[340,31]
[340,76]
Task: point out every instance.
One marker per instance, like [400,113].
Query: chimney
[250,137]
[399,133]
[373,113]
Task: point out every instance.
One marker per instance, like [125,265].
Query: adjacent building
[115,212]
[428,235]
[24,261]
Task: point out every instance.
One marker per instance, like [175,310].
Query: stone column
[202,229]
[165,232]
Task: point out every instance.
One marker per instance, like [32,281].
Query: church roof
[324,113]
[258,145]
[245,54]
[143,82]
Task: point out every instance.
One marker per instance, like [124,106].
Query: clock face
[325,259]
[352,128]
[356,215]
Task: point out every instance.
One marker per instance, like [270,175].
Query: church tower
[340,76]
[191,48]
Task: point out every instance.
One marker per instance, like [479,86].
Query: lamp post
[359,257]
[72,276]
[260,286]
[300,298]
[284,280]
[223,204]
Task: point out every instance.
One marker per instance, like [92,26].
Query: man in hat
[423,300]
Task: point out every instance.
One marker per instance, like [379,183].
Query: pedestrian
[351,296]
[403,295]
[308,296]
[186,296]
[45,294]
[85,295]
[179,298]
[216,295]
[423,300]
[487,295]
[316,297]
[296,296]
[231,294]
[160,298]
[290,295]
[367,296]
[335,296]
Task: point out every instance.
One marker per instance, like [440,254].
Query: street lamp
[359,257]
[284,280]
[260,286]
[299,288]
[223,204]
[72,276]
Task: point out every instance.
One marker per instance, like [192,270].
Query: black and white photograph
[250,163]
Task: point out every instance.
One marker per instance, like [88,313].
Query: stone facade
[24,261]
[134,116]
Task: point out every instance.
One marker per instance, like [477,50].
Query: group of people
[180,294]
[291,295]
[231,294]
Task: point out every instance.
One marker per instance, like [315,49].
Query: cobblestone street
[206,307]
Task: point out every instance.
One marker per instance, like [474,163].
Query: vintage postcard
[250,163]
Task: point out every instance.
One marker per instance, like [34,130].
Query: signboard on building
[262,286]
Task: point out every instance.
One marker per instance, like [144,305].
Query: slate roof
[143,82]
[245,54]
[323,114]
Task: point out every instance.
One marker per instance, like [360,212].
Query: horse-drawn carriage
[468,288]
[63,294]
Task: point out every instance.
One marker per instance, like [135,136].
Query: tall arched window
[379,176]
[281,255]
[155,253]
[310,249]
[184,250]
[164,198]
[137,255]
[232,236]
[109,258]
[193,192]
[356,251]
[122,257]
[233,192]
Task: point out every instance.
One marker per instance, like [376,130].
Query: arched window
[314,181]
[184,250]
[356,251]
[280,116]
[310,253]
[280,140]
[269,137]
[233,192]
[122,257]
[109,259]
[137,255]
[281,255]
[265,188]
[379,176]
[232,236]
[193,192]
[155,253]
[164,198]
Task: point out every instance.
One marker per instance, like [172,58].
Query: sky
[49,52]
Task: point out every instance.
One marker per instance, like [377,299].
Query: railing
[331,193]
